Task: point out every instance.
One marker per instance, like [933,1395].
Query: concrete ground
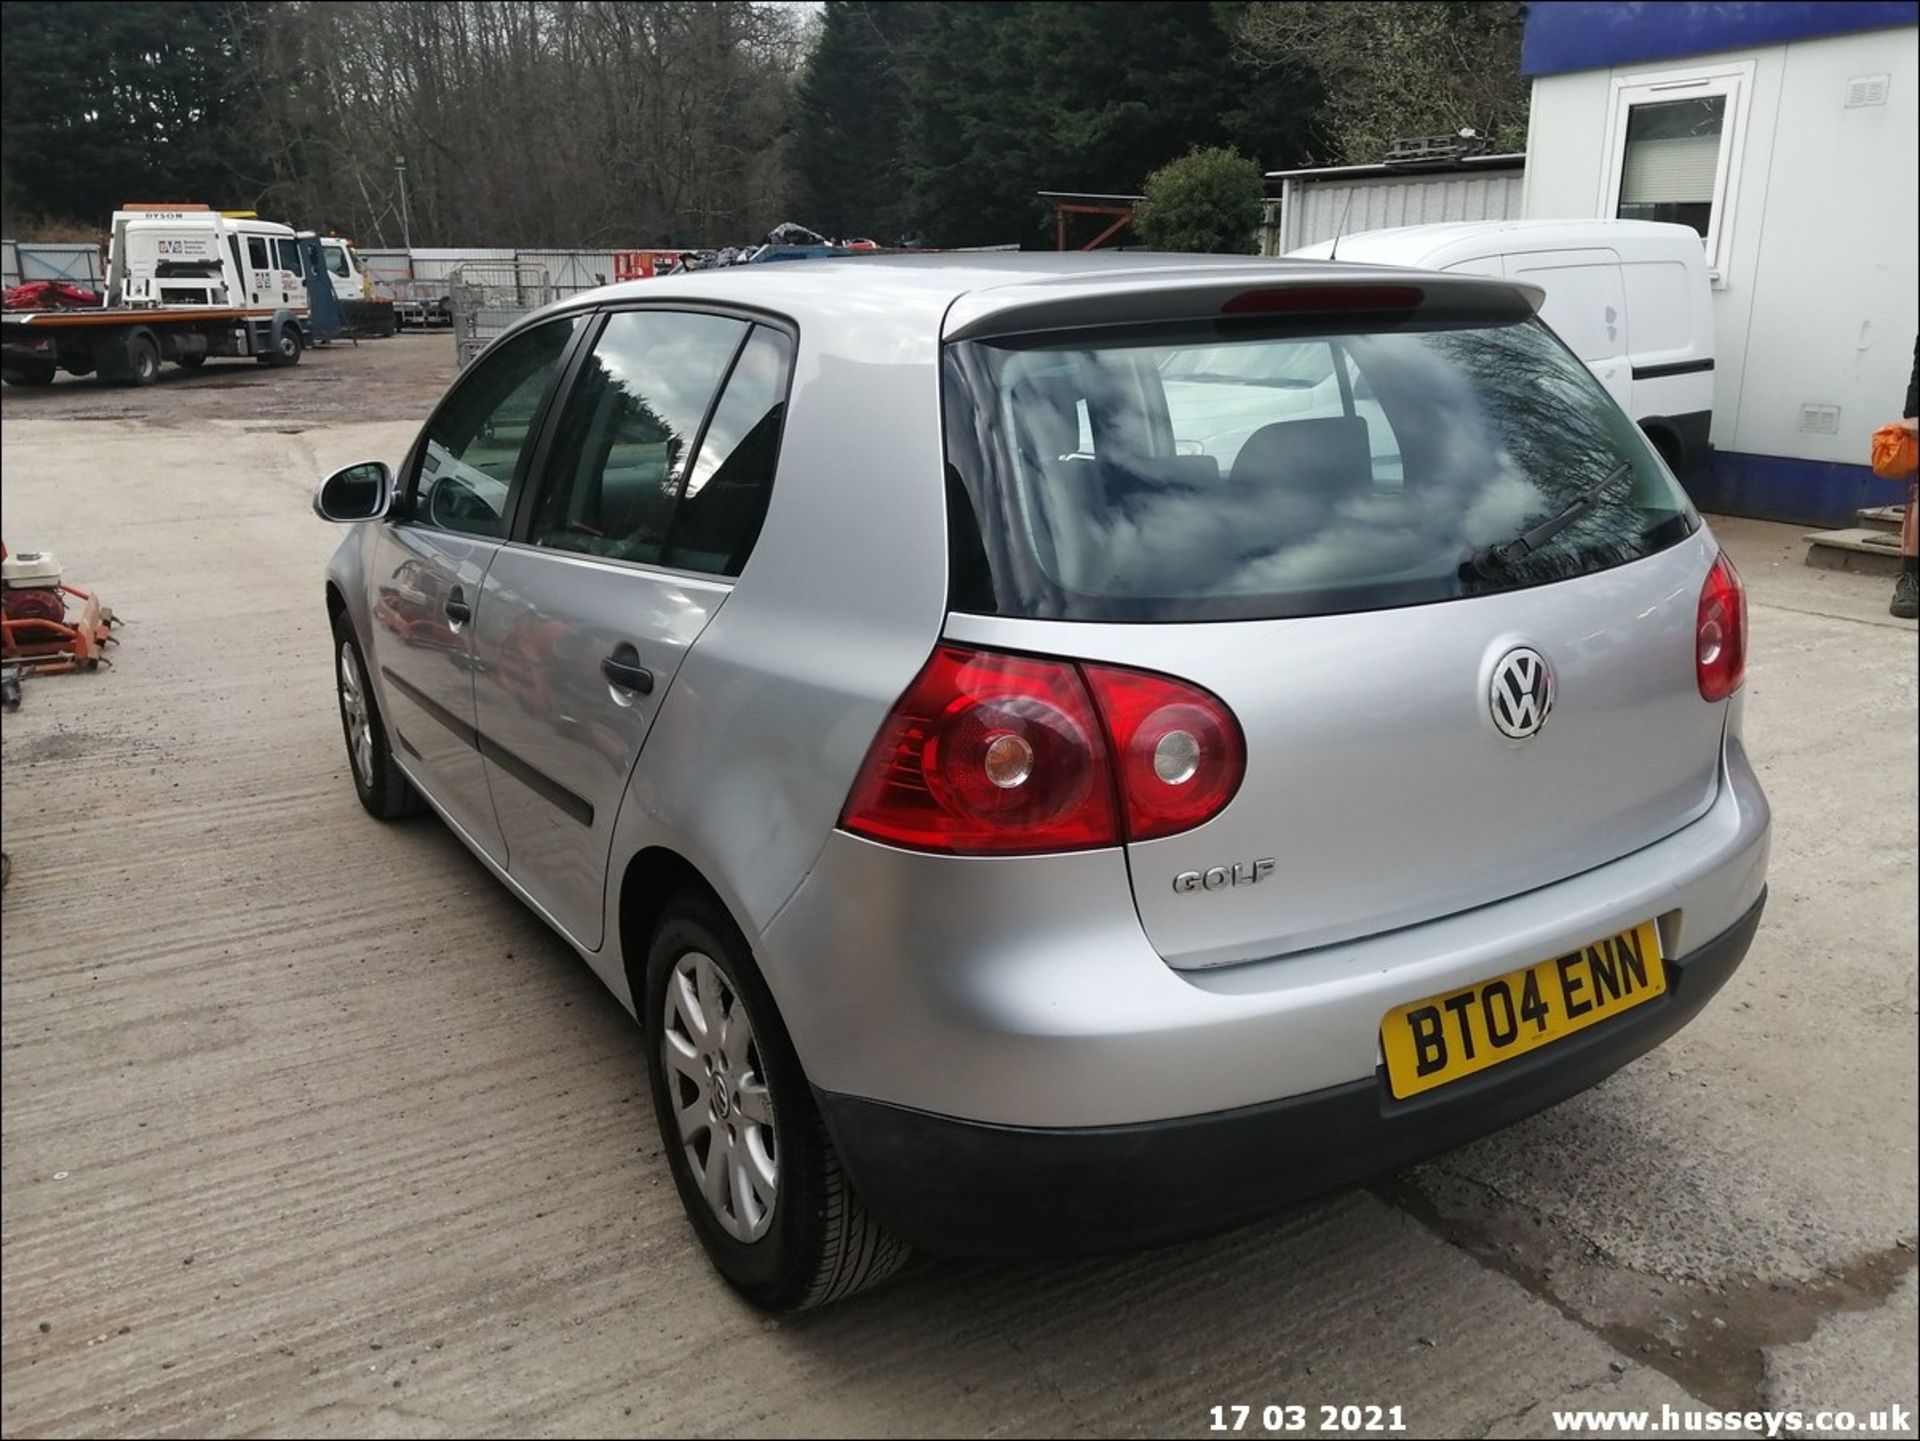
[311,1129]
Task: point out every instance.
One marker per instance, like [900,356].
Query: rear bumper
[1023,992]
[957,1186]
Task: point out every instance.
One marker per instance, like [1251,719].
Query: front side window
[289,255]
[624,446]
[483,432]
[1221,473]
[337,261]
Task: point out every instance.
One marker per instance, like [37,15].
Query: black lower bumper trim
[966,1187]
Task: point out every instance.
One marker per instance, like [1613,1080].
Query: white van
[1630,297]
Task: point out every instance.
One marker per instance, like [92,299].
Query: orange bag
[1895,454]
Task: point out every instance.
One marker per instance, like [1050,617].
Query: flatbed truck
[184,282]
[126,345]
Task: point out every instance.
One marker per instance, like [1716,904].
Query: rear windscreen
[1223,473]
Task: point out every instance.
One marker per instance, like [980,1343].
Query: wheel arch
[654,877]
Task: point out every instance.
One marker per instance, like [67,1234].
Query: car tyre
[286,349]
[377,778]
[814,1243]
[143,358]
[133,360]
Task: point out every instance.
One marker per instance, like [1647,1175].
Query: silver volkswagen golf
[1063,752]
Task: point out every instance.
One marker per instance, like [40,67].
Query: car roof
[946,275]
[873,293]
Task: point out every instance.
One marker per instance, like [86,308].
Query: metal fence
[480,291]
[489,296]
[580,269]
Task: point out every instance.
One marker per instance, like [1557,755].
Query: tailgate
[1377,782]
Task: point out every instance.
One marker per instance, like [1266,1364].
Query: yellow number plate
[1446,1037]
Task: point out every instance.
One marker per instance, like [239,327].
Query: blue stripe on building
[1814,493]
[1567,35]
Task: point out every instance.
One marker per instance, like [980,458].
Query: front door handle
[623,669]
[458,610]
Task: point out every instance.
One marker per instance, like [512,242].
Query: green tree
[1132,84]
[974,139]
[851,107]
[1207,201]
[1010,99]
[1394,68]
[111,102]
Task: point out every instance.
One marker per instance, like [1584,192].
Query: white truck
[184,282]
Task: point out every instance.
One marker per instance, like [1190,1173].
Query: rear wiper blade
[1488,558]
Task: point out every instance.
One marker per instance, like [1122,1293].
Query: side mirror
[359,492]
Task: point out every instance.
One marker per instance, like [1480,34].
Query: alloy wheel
[359,717]
[721,1104]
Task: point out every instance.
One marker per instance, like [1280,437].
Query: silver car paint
[753,754]
[544,622]
[1024,992]
[791,688]
[414,571]
[1021,990]
[1375,779]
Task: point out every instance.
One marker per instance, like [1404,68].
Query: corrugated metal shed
[1320,204]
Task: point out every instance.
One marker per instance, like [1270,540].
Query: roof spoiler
[1362,293]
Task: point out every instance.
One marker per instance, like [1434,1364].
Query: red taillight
[1179,749]
[1720,635]
[987,753]
[990,754]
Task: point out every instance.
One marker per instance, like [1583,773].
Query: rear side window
[1218,472]
[725,496]
[257,252]
[665,451]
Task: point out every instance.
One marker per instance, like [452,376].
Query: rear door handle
[623,669]
[457,609]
